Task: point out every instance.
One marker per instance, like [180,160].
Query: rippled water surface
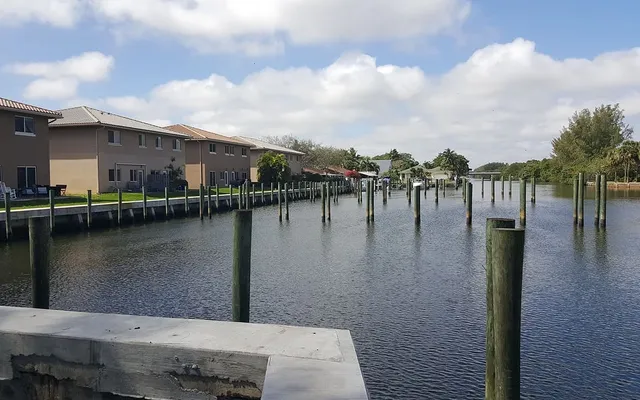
[414,300]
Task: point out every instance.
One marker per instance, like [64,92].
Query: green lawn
[108,198]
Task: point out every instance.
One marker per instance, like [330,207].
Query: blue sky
[405,104]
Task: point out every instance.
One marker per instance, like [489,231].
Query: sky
[492,80]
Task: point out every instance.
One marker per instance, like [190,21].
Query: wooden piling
[52,211]
[230,197]
[523,201]
[507,257]
[280,201]
[8,229]
[240,197]
[368,195]
[262,193]
[510,185]
[533,190]
[120,207]
[89,207]
[416,205]
[241,286]
[209,204]
[436,190]
[384,192]
[575,201]
[324,201]
[464,191]
[39,244]
[201,201]
[217,197]
[469,203]
[144,202]
[603,201]
[444,186]
[502,187]
[493,189]
[286,201]
[482,188]
[167,207]
[330,195]
[580,200]
[253,195]
[186,201]
[492,223]
[596,200]
[373,201]
[272,193]
[409,191]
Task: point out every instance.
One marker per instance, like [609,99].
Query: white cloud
[60,79]
[506,102]
[59,13]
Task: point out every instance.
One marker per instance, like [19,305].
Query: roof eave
[176,134]
[30,112]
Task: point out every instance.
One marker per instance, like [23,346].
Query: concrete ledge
[166,358]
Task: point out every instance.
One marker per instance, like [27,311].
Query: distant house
[433,173]
[385,166]
[24,144]
[212,158]
[101,151]
[259,147]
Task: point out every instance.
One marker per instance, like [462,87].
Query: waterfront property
[433,173]
[103,152]
[259,147]
[24,145]
[212,158]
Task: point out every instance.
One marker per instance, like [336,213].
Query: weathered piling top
[168,358]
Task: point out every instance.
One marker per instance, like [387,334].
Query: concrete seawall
[60,354]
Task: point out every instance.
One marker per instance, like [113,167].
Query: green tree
[174,175]
[367,164]
[273,167]
[351,160]
[491,167]
[449,160]
[625,157]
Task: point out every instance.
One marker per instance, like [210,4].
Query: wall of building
[295,163]
[17,151]
[73,159]
[216,162]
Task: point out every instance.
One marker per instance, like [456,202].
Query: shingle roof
[12,105]
[262,145]
[197,133]
[83,116]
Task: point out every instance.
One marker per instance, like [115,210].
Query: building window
[112,175]
[212,148]
[297,158]
[159,142]
[244,175]
[244,152]
[26,177]
[113,137]
[24,126]
[142,140]
[133,176]
[232,150]
[226,150]
[212,178]
[177,145]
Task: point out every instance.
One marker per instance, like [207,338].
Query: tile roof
[11,105]
[83,116]
[197,133]
[262,145]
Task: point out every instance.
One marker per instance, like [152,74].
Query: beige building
[212,158]
[259,147]
[101,151]
[24,144]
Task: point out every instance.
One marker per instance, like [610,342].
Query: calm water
[413,300]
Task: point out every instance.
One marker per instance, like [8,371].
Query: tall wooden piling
[492,223]
[575,201]
[52,210]
[323,199]
[469,203]
[464,191]
[230,197]
[144,203]
[580,200]
[384,192]
[435,192]
[89,209]
[286,201]
[330,196]
[253,195]
[272,193]
[209,203]
[493,189]
[39,243]
[482,188]
[280,201]
[510,185]
[241,197]
[444,186]
[217,197]
[596,200]
[603,201]
[8,229]
[416,205]
[119,206]
[523,201]
[262,193]
[507,257]
[201,201]
[502,187]
[241,285]
[186,201]
[373,201]
[368,190]
[533,190]
[167,207]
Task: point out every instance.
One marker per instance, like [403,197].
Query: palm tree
[626,155]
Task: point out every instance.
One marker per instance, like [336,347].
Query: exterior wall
[16,150]
[201,163]
[73,159]
[295,163]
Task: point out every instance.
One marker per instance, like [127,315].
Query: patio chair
[4,190]
[42,191]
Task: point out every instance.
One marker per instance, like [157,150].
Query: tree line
[594,142]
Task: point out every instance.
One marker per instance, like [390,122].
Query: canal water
[414,300]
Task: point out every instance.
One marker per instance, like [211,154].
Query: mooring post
[492,223]
[272,193]
[89,213]
[217,197]
[144,202]
[416,204]
[39,241]
[523,201]
[502,187]
[241,292]
[580,200]
[469,203]
[323,199]
[167,208]
[409,191]
[596,200]
[286,201]
[373,201]
[510,185]
[52,210]
[444,186]
[230,197]
[436,189]
[482,188]
[368,195]
[262,194]
[209,204]
[575,201]
[119,206]
[533,190]
[426,187]
[464,190]
[253,195]
[241,197]
[507,258]
[384,192]
[8,230]
[603,201]
[493,189]
[186,200]
[280,201]
[329,195]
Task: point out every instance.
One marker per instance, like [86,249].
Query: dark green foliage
[273,167]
